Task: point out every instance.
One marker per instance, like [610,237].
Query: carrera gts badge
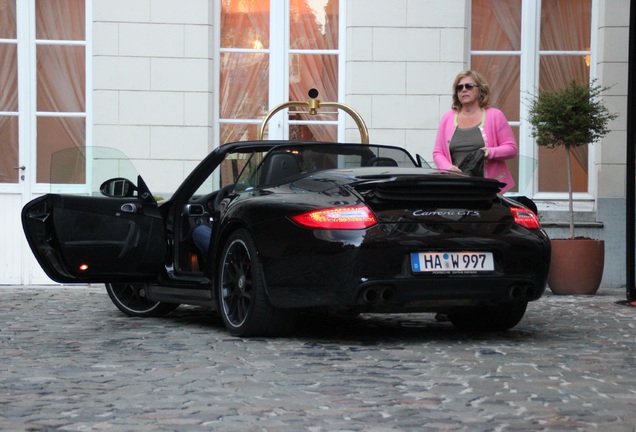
[446,213]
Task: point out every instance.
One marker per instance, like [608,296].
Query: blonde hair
[482,86]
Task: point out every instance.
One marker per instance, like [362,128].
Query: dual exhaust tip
[377,295]
[521,293]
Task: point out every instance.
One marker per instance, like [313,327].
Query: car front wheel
[132,299]
[489,318]
[243,303]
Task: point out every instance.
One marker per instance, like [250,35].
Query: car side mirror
[118,187]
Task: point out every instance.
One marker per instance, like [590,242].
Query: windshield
[286,161]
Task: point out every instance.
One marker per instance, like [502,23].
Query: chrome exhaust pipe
[375,296]
[520,293]
[370,296]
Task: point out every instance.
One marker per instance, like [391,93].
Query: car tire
[489,318]
[243,303]
[131,299]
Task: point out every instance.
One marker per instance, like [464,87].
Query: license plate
[454,262]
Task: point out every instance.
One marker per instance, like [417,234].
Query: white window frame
[278,126]
[528,85]
[27,94]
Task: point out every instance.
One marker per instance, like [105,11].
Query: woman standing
[471,125]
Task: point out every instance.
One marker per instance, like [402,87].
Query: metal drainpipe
[630,280]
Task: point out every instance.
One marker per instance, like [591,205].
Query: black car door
[121,236]
[96,239]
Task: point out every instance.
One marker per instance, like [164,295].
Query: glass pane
[7,19]
[553,161]
[9,77]
[496,25]
[245,24]
[8,96]
[232,132]
[565,25]
[61,78]
[244,85]
[307,71]
[9,149]
[502,74]
[314,24]
[60,19]
[557,72]
[320,72]
[57,133]
[313,132]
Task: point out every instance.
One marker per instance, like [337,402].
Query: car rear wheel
[131,299]
[489,318]
[243,303]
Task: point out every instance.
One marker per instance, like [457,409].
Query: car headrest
[278,167]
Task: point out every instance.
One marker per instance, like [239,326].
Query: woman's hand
[486,151]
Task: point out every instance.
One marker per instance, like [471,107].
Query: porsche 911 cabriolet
[301,226]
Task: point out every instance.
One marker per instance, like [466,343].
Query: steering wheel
[222,193]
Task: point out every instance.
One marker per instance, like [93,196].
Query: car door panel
[95,239]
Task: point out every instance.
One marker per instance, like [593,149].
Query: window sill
[577,224]
[554,214]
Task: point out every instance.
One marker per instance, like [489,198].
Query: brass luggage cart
[313,105]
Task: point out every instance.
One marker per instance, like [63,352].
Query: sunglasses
[469,86]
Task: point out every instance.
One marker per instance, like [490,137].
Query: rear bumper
[409,295]
[370,270]
[441,294]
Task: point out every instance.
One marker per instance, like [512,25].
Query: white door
[13,180]
[273,52]
[13,249]
[43,100]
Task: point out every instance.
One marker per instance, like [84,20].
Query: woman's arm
[441,151]
[500,139]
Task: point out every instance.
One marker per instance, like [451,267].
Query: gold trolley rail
[313,105]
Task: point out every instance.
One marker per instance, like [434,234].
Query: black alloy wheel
[132,299]
[243,303]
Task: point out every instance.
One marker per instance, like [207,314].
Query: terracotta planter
[576,266]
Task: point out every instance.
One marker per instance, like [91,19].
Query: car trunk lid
[436,197]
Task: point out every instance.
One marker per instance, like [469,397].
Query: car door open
[103,230]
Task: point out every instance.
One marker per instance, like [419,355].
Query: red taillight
[525,218]
[358,217]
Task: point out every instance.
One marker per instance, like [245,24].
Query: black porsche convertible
[301,226]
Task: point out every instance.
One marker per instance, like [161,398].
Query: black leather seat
[279,167]
[382,161]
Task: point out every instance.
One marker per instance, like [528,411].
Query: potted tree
[570,117]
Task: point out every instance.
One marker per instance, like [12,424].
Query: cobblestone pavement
[71,361]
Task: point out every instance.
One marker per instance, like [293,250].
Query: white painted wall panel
[151,108]
[121,73]
[121,10]
[187,75]
[151,40]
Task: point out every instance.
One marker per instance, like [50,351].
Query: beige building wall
[153,75]
[612,64]
[154,84]
[402,57]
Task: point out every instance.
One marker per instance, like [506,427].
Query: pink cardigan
[498,137]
